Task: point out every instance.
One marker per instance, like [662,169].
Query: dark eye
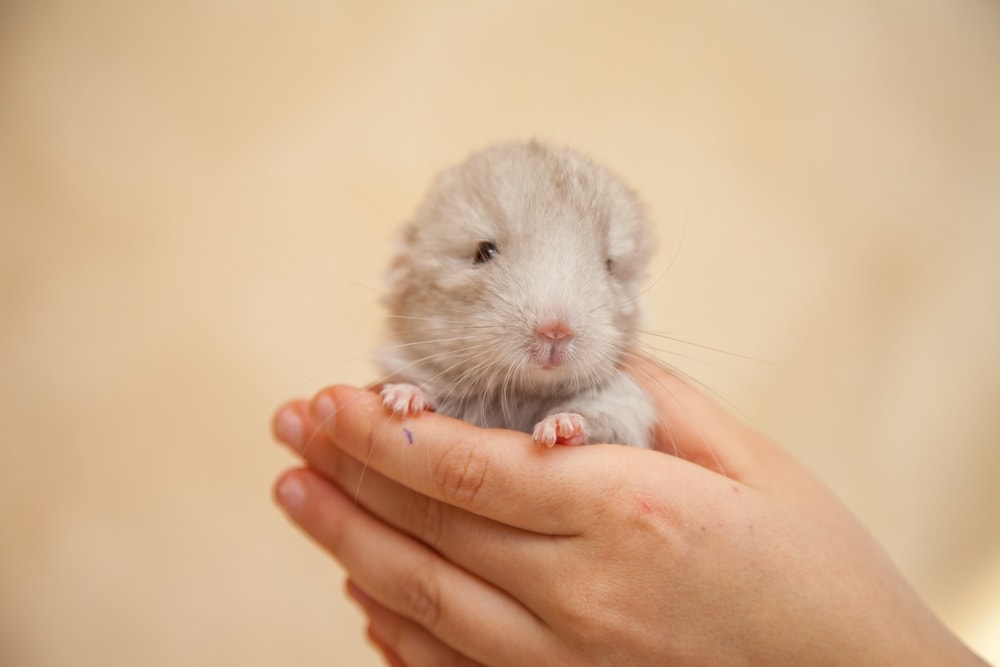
[486,251]
[609,265]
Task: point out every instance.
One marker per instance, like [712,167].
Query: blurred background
[198,198]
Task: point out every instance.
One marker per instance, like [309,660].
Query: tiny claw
[405,399]
[561,428]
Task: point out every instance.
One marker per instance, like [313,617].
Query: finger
[293,426]
[477,544]
[488,548]
[410,579]
[496,473]
[697,429]
[401,640]
[388,654]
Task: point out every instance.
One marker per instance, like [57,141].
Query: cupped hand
[474,546]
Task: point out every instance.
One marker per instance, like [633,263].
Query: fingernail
[288,428]
[291,494]
[323,411]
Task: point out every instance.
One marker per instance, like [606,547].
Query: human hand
[473,546]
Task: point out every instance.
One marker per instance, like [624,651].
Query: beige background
[197,199]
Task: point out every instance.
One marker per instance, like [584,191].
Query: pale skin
[466,546]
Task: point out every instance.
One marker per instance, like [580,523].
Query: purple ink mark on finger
[409,436]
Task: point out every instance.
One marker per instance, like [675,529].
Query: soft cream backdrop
[197,199]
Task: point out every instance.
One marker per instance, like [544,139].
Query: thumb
[692,426]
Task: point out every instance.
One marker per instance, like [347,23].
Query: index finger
[495,473]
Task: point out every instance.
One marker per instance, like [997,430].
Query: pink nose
[552,343]
[555,331]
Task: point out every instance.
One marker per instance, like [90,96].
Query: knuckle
[572,607]
[584,613]
[420,595]
[423,518]
[459,474]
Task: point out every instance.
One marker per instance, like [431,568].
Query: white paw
[405,399]
[561,428]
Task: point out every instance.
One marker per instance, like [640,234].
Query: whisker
[701,385]
[670,264]
[737,355]
[438,320]
[704,441]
